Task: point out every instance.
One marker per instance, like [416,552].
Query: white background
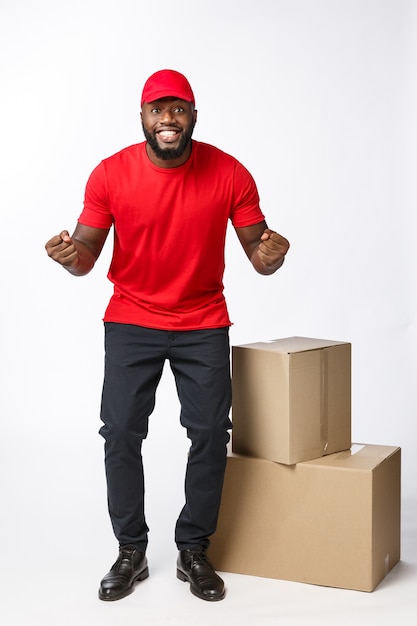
[318,99]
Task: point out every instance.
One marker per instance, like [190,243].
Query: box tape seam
[324,404]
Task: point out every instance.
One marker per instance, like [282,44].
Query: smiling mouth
[168,136]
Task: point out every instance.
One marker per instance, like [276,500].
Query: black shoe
[130,567]
[194,566]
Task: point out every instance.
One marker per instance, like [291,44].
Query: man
[169,200]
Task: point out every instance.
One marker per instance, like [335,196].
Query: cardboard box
[333,521]
[291,399]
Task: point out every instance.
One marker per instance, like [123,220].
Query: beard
[166,154]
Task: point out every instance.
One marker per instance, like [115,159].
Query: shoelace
[198,557]
[124,554]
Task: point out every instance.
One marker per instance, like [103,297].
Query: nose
[166,116]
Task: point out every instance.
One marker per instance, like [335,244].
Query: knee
[122,433]
[211,439]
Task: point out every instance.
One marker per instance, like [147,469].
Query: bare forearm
[77,254]
[84,260]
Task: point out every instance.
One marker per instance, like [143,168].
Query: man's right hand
[61,249]
[78,253]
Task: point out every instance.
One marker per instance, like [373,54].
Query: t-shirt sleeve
[246,210]
[96,212]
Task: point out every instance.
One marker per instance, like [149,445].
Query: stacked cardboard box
[300,502]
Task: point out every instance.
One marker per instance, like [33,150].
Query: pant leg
[133,367]
[200,361]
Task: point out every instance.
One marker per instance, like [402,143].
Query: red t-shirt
[169,233]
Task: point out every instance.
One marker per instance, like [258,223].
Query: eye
[178,110]
[155,110]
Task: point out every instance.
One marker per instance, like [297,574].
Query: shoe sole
[142,576]
[185,579]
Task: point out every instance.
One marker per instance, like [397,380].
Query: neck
[168,163]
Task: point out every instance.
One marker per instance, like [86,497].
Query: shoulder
[112,167]
[208,152]
[223,161]
[121,163]
[203,149]
[130,153]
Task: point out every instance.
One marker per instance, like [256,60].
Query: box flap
[292,344]
[360,457]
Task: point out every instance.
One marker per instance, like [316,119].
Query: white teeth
[167,133]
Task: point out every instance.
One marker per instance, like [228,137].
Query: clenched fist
[61,249]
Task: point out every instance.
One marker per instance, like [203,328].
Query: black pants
[200,362]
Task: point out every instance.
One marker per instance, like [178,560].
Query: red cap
[166,83]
